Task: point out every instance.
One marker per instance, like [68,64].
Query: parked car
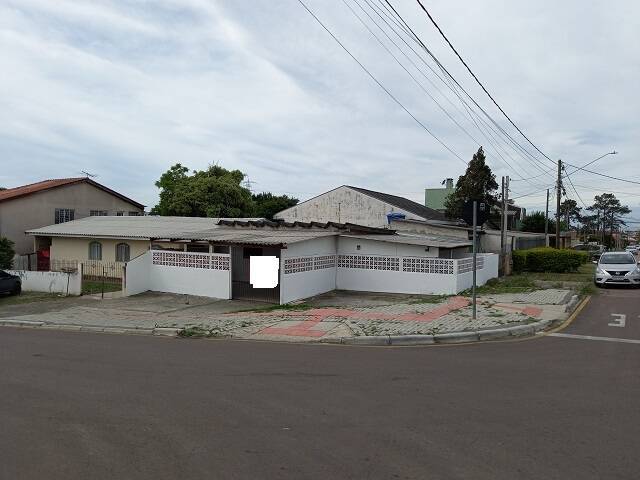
[10,284]
[632,249]
[617,268]
[594,251]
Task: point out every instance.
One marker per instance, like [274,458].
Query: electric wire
[449,149]
[479,82]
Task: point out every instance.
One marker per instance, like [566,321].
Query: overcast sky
[124,89]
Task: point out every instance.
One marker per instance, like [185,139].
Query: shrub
[519,260]
[549,260]
[6,253]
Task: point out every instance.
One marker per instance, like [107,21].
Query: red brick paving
[305,327]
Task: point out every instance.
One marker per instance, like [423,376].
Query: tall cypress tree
[477,183]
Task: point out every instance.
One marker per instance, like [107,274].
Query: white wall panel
[51,282]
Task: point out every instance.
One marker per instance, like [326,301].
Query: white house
[347,204]
[212,257]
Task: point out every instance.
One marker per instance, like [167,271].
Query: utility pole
[546,222]
[475,224]
[505,218]
[558,197]
[502,232]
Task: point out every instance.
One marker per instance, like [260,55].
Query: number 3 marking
[620,320]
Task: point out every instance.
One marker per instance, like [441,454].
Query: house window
[98,213]
[134,214]
[120,213]
[95,251]
[64,215]
[122,252]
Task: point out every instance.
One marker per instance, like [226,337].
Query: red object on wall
[44,260]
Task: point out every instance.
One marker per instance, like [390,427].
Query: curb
[471,336]
[572,304]
[69,327]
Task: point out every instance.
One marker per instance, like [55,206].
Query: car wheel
[17,290]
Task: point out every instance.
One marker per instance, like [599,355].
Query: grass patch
[430,299]
[511,284]
[526,282]
[584,274]
[272,308]
[28,297]
[200,332]
[91,287]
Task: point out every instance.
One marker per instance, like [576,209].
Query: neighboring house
[57,201]
[435,197]
[489,238]
[212,257]
[347,204]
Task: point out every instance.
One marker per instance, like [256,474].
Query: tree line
[598,221]
[214,192]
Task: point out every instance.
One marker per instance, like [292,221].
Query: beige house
[57,201]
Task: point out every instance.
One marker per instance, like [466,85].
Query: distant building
[435,197]
[347,204]
[57,201]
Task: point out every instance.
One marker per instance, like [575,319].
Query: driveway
[330,317]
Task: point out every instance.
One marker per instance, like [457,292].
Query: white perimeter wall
[378,279]
[317,265]
[143,274]
[52,282]
[137,274]
[489,270]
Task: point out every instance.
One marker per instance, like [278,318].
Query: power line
[479,82]
[417,82]
[380,84]
[574,189]
[448,75]
[602,174]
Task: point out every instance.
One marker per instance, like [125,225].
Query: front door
[241,288]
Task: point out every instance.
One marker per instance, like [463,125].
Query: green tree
[534,222]
[214,192]
[570,211]
[478,183]
[609,213]
[267,204]
[6,253]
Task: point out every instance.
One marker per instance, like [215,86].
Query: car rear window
[617,258]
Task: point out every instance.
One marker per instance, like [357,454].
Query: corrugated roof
[252,231]
[149,226]
[228,235]
[403,203]
[422,240]
[17,192]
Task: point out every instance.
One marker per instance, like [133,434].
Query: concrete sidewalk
[351,317]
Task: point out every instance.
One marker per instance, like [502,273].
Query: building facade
[57,201]
[215,257]
[347,204]
[435,197]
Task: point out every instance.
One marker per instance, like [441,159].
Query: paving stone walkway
[403,317]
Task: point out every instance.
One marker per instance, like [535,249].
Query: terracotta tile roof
[13,193]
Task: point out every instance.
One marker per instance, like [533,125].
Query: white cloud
[126,88]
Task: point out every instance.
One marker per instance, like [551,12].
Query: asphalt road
[78,406]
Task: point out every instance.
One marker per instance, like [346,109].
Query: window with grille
[134,214]
[95,251]
[64,215]
[120,214]
[98,213]
[122,252]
